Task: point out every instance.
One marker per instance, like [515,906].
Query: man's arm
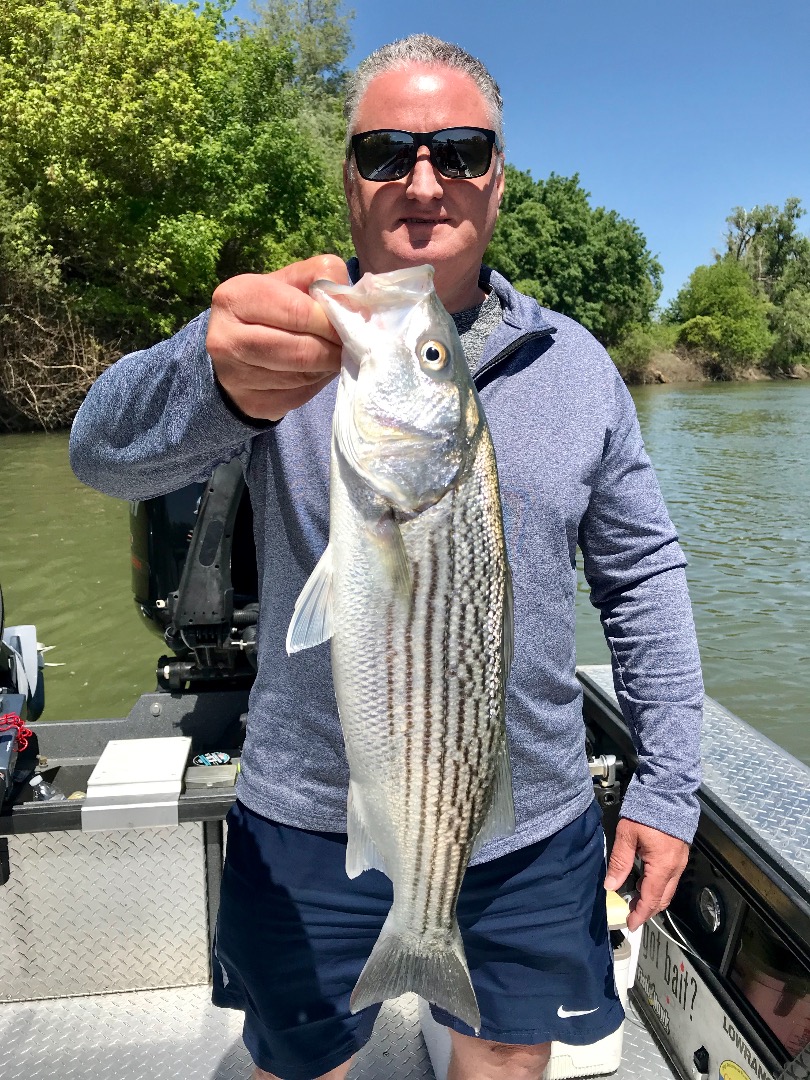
[635,568]
[160,418]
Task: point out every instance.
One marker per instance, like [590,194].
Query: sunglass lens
[384,155]
[461,153]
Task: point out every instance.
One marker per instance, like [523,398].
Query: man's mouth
[423,221]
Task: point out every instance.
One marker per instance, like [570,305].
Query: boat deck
[178,1034]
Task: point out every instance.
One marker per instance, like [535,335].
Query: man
[252,378]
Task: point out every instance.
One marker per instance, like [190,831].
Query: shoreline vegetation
[150,151]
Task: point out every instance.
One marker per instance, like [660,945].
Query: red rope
[10,720]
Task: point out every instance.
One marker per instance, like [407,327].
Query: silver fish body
[414,590]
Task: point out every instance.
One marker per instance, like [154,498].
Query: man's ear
[348,177]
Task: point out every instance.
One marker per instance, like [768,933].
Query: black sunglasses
[460,153]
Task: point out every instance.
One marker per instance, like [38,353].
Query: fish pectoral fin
[361,852]
[437,972]
[500,820]
[311,623]
[508,639]
[395,568]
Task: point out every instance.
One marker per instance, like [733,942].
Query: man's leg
[479,1059]
[339,1073]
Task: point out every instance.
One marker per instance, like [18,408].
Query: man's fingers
[274,404]
[302,274]
[621,858]
[266,347]
[651,891]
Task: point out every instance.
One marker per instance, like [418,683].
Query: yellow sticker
[730,1070]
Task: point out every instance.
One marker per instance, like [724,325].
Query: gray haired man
[252,377]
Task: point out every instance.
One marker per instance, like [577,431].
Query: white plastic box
[597,1059]
[136,784]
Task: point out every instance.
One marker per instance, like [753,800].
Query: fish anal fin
[436,970]
[500,819]
[311,623]
[361,852]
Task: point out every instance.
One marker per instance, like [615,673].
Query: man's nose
[424,180]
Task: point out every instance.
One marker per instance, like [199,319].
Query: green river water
[734,465]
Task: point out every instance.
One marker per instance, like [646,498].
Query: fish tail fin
[436,971]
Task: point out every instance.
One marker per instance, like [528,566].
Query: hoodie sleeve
[635,568]
[156,420]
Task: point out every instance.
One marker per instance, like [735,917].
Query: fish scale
[414,592]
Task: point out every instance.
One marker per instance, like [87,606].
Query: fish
[414,593]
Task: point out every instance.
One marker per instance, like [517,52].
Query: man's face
[425,218]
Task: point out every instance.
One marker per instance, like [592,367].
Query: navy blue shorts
[294,932]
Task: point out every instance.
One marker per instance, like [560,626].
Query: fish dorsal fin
[311,623]
[500,820]
[508,639]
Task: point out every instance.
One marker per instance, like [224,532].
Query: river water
[734,465]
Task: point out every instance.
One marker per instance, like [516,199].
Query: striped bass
[414,591]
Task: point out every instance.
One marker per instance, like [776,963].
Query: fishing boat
[108,900]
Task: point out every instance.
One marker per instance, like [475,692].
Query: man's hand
[664,858]
[271,344]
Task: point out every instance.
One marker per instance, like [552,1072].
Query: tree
[767,242]
[146,153]
[790,322]
[588,263]
[724,316]
[319,37]
[158,154]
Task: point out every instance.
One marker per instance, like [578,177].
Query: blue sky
[671,112]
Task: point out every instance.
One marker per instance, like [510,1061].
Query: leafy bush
[724,318]
[790,321]
[633,354]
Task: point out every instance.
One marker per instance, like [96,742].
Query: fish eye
[433,355]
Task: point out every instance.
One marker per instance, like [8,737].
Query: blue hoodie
[573,471]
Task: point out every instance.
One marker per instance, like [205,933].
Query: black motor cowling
[195,581]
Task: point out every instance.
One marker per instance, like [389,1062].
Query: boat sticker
[677,1001]
[730,1070]
[216,757]
[681,984]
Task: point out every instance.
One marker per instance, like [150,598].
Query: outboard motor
[22,689]
[195,581]
[22,699]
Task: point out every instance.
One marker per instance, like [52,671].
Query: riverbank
[673,367]
[27,406]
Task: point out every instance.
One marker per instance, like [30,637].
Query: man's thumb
[621,859]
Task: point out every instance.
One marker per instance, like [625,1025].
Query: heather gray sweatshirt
[573,471]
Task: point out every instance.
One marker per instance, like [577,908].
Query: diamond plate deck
[90,913]
[178,1035]
[755,779]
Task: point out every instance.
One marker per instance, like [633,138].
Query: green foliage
[633,354]
[724,316]
[588,263]
[790,322]
[318,36]
[766,241]
[152,155]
